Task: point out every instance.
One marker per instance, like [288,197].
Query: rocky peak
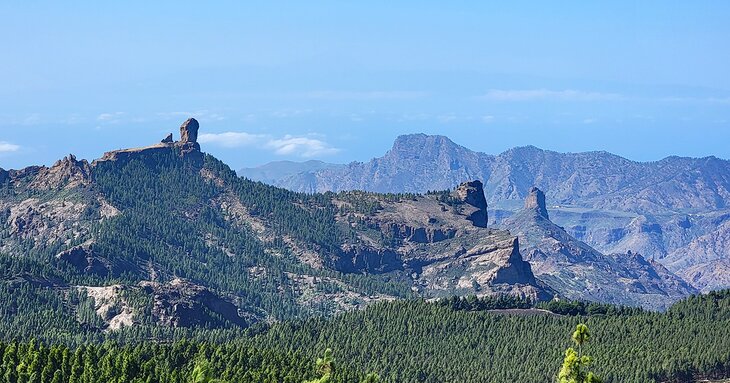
[536,201]
[189,140]
[188,146]
[472,193]
[189,130]
[68,172]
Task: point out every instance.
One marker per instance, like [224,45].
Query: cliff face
[440,242]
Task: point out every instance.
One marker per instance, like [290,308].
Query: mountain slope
[613,204]
[167,235]
[578,271]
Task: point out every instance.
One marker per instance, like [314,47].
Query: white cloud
[231,139]
[488,119]
[302,146]
[288,145]
[110,117]
[6,147]
[546,94]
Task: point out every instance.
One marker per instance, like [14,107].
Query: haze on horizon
[338,82]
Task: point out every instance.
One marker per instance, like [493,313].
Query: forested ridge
[175,225]
[403,341]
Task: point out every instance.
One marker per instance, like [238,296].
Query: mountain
[657,209]
[166,235]
[583,273]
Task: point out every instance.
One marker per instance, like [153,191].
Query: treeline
[416,341]
[568,307]
[401,341]
[150,362]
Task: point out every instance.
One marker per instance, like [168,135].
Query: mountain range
[675,211]
[167,235]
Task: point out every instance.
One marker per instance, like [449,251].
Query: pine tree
[575,363]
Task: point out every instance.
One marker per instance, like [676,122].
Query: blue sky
[338,81]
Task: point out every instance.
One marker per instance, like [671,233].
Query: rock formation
[189,130]
[188,146]
[536,201]
[578,271]
[181,303]
[66,173]
[472,193]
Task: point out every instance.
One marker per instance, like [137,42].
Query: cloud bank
[6,147]
[288,145]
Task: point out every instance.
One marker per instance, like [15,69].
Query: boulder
[168,139]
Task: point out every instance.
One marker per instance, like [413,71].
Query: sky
[339,81]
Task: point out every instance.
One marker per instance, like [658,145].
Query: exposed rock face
[168,139]
[184,304]
[65,173]
[472,193]
[188,144]
[355,259]
[83,259]
[536,201]
[189,130]
[440,244]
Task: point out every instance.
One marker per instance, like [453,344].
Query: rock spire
[536,200]
[189,130]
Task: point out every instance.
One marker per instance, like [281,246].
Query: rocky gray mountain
[615,205]
[581,272]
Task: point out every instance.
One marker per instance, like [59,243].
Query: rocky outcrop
[358,259]
[187,147]
[83,259]
[65,173]
[189,131]
[472,193]
[181,303]
[493,265]
[417,234]
[577,271]
[536,201]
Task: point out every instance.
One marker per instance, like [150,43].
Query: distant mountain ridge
[417,163]
[659,209]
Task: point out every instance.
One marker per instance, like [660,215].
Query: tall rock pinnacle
[472,193]
[536,200]
[189,130]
